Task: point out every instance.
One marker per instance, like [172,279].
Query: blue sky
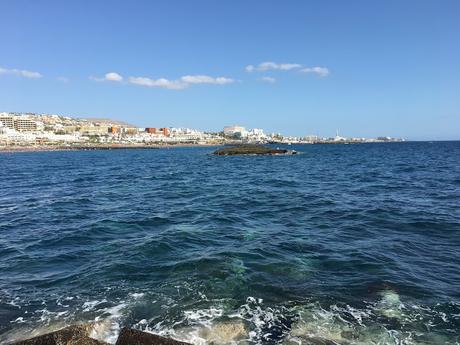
[368,68]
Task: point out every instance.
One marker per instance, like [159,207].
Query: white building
[235,131]
[22,123]
[6,120]
[256,134]
[338,137]
[312,139]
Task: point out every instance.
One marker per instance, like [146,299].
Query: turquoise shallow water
[357,244]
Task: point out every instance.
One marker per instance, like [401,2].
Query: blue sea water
[351,244]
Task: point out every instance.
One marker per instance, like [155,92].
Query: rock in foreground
[78,335]
[72,335]
[251,150]
[130,336]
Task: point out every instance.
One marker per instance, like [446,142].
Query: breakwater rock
[251,150]
[79,335]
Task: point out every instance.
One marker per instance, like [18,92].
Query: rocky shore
[251,150]
[225,333]
[81,335]
[46,148]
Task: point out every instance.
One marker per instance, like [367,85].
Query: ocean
[340,244]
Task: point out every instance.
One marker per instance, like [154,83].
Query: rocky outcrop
[73,335]
[222,333]
[130,336]
[251,150]
[79,335]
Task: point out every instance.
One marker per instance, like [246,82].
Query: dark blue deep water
[356,244]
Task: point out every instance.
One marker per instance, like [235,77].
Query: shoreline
[104,147]
[42,148]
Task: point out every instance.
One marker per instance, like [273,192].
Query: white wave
[316,322]
[137,295]
[203,315]
[107,327]
[253,322]
[90,305]
[390,305]
[15,302]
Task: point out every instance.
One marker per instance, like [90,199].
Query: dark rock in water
[130,336]
[251,150]
[73,335]
[79,335]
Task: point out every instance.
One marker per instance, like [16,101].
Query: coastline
[49,148]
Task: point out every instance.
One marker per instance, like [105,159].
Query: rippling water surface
[342,244]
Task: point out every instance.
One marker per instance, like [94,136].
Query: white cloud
[268,80]
[178,84]
[269,65]
[112,76]
[162,82]
[204,79]
[321,71]
[181,83]
[289,66]
[64,80]
[20,73]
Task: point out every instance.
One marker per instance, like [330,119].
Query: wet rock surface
[130,336]
[79,335]
[251,150]
[225,332]
[73,335]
